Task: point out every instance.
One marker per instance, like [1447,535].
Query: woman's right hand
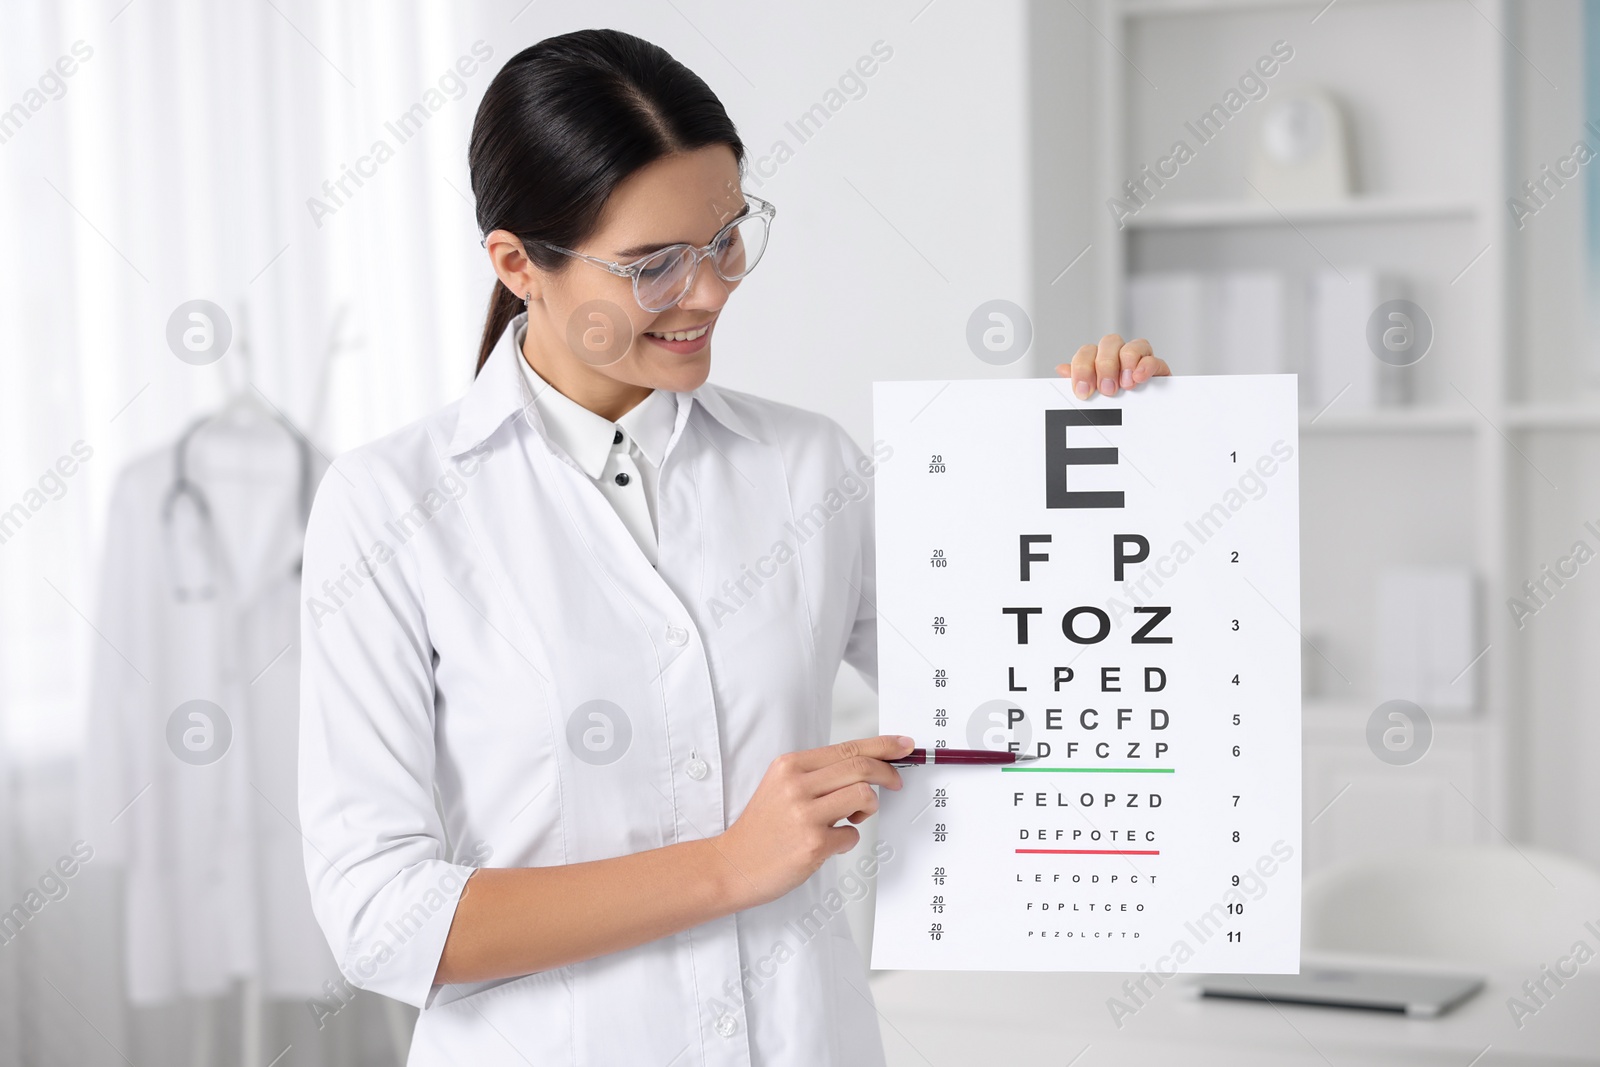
[787,830]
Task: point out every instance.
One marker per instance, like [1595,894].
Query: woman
[562,775]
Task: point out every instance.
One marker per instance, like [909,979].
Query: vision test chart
[1112,586]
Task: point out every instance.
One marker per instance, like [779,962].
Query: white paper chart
[1112,585]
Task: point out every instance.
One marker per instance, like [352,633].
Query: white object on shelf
[1169,308]
[1250,335]
[1425,636]
[1301,152]
[1340,363]
[1232,322]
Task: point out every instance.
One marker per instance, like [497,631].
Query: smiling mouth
[680,335]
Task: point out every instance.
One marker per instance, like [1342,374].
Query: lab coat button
[677,635]
[697,768]
[727,1025]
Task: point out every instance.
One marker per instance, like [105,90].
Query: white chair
[1479,906]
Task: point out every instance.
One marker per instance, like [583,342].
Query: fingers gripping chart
[1110,586]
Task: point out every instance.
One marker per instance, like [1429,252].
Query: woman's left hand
[1111,365]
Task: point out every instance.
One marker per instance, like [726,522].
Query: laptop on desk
[1414,993]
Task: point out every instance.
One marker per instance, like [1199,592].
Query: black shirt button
[616,438]
[622,478]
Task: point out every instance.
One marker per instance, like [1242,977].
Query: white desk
[947,1018]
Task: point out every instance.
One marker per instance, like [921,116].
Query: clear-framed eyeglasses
[665,276]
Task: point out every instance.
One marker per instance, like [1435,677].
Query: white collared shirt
[621,457]
[494,674]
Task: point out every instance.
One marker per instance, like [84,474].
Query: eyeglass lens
[665,277]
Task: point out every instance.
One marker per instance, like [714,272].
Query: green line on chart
[1091,770]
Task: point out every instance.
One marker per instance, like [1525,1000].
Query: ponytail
[503,307]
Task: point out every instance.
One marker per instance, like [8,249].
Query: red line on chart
[1088,852]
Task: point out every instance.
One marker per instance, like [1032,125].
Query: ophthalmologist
[569,643]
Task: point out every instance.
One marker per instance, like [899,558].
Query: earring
[527,299]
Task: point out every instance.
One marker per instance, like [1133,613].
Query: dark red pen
[949,757]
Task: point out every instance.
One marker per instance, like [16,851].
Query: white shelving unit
[1427,107]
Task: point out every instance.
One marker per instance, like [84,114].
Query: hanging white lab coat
[480,625]
[210,850]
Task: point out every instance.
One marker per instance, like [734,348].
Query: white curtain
[153,153]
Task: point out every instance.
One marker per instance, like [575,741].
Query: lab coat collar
[587,437]
[717,406]
[500,391]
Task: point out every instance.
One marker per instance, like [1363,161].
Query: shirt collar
[501,391]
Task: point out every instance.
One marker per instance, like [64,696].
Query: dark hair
[562,124]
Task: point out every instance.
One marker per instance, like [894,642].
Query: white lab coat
[469,595]
[211,853]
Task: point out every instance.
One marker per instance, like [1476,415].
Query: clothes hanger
[246,410]
[245,407]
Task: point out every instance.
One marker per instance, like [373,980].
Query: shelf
[1206,213]
[1425,419]
[1554,416]
[1334,710]
[1222,7]
[1337,711]
[1390,420]
[1333,722]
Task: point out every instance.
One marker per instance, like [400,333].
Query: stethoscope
[186,489]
